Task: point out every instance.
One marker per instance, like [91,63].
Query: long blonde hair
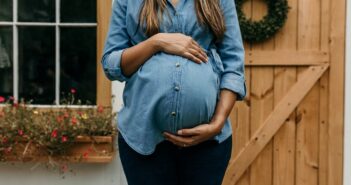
[208,13]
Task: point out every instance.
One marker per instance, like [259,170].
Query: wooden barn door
[289,130]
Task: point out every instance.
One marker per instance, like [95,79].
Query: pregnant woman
[182,62]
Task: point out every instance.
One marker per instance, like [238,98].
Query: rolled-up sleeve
[231,51]
[116,42]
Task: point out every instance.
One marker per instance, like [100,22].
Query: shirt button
[173,113]
[177,64]
[176,88]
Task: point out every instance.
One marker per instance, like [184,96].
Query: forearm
[133,57]
[223,108]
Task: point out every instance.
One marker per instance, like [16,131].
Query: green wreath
[258,31]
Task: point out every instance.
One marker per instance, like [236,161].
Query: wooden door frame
[103,88]
[106,88]
[347,128]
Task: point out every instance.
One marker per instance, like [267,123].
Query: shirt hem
[131,145]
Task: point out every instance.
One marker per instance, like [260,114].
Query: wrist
[156,42]
[217,124]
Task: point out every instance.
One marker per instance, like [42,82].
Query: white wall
[347,128]
[86,174]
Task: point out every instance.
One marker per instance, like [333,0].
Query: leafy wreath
[258,31]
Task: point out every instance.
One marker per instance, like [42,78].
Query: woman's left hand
[193,136]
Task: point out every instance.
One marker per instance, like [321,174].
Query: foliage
[258,31]
[53,129]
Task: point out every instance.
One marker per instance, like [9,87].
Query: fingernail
[179,132]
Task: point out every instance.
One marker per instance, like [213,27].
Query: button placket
[176,89]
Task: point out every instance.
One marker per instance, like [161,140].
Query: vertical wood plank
[308,110]
[284,78]
[324,88]
[244,109]
[261,106]
[261,170]
[284,140]
[103,84]
[307,138]
[336,92]
[323,130]
[240,118]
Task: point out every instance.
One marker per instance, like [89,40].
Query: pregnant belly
[179,95]
[198,98]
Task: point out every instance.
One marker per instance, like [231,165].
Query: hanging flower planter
[56,135]
[85,149]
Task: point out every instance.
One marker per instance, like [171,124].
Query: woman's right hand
[180,44]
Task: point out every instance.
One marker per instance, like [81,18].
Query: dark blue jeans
[202,164]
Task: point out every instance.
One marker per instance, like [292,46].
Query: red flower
[54,133]
[20,132]
[4,140]
[64,139]
[2,99]
[59,119]
[15,105]
[80,113]
[100,109]
[74,120]
[73,91]
[85,155]
[66,115]
[8,150]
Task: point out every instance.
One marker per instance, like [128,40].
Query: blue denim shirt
[169,92]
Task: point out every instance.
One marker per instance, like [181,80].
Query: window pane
[78,11]
[37,64]
[78,62]
[6,77]
[36,11]
[5,10]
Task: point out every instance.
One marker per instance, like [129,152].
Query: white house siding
[86,174]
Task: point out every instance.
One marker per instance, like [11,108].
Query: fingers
[179,140]
[188,132]
[199,49]
[190,56]
[194,52]
[198,55]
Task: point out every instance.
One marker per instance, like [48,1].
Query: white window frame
[57,24]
